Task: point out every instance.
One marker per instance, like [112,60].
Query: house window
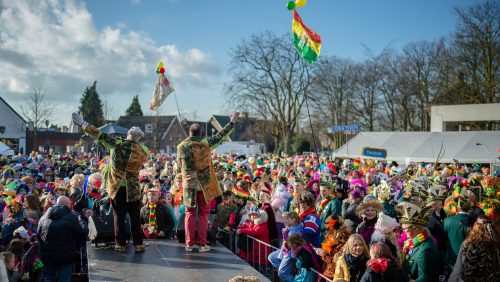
[149,128]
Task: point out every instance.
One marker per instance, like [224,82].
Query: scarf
[153,229]
[410,244]
[306,213]
[323,203]
[355,263]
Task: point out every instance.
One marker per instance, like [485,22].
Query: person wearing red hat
[264,199]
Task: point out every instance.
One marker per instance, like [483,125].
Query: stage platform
[167,261]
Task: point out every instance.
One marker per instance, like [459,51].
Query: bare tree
[272,81]
[108,108]
[36,109]
[333,88]
[477,39]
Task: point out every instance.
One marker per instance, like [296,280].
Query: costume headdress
[325,179]
[411,214]
[369,202]
[383,190]
[437,192]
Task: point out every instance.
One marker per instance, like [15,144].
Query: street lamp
[47,134]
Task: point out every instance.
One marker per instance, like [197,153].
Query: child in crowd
[382,266]
[282,258]
[306,258]
[10,264]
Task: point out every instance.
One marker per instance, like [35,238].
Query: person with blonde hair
[479,254]
[351,266]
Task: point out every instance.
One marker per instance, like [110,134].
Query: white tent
[465,146]
[5,150]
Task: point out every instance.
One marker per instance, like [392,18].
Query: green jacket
[333,207]
[127,158]
[456,229]
[194,157]
[422,264]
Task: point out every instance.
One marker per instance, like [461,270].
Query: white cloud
[55,45]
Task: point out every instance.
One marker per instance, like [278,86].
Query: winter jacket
[306,259]
[342,272]
[366,229]
[393,273]
[271,222]
[258,252]
[60,235]
[164,219]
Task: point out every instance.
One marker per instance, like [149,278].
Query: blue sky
[63,46]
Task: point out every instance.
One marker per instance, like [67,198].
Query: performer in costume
[419,252]
[121,177]
[200,183]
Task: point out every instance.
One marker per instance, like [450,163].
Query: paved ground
[167,261]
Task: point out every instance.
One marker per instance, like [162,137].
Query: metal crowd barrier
[268,270]
[26,264]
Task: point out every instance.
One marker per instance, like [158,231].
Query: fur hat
[262,218]
[368,202]
[384,225]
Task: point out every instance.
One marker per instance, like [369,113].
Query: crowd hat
[383,190]
[10,189]
[412,213]
[437,192]
[254,210]
[325,180]
[369,202]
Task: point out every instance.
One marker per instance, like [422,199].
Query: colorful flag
[306,41]
[162,90]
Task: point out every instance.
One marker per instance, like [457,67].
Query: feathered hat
[437,192]
[383,190]
[411,214]
[325,179]
[415,213]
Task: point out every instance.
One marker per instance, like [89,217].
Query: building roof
[163,122]
[12,109]
[245,129]
[464,146]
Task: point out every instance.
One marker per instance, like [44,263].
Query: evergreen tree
[91,106]
[135,108]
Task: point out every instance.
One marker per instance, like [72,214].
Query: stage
[167,261]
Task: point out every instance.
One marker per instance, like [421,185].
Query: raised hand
[235,116]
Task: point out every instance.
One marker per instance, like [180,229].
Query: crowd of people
[350,220]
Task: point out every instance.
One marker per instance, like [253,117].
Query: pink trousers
[190,222]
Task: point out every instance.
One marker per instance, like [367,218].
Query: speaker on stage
[102,229]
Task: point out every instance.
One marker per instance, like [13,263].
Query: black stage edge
[167,261]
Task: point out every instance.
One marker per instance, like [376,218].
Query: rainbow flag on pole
[306,41]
